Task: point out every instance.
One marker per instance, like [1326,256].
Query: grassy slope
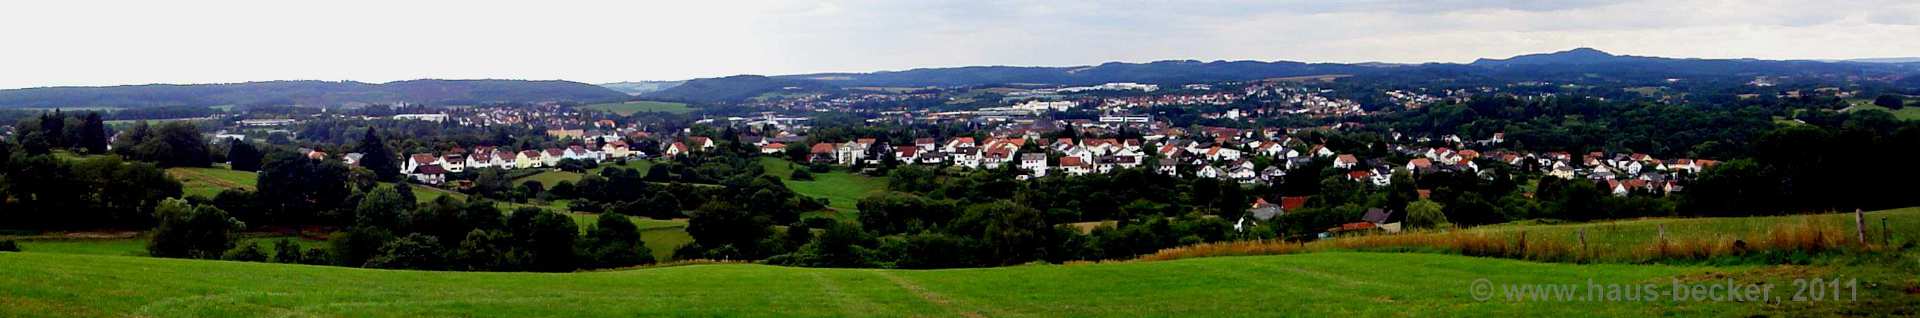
[628,108]
[843,190]
[1323,284]
[207,182]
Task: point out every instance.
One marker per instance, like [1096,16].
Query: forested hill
[1187,71]
[309,93]
[1576,65]
[735,88]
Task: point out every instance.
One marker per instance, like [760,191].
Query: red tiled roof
[1071,162]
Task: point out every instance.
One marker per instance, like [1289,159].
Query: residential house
[1075,166]
[1035,163]
[1345,161]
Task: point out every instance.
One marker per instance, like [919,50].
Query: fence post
[1583,243]
[1860,225]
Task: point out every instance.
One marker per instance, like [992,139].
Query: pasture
[629,108]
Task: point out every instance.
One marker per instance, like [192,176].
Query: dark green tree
[242,156]
[93,134]
[375,156]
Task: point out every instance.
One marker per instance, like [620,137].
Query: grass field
[1323,284]
[843,190]
[629,108]
[207,182]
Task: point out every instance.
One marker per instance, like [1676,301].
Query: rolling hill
[735,88]
[1576,65]
[641,87]
[309,93]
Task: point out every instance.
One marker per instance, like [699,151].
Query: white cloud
[103,42]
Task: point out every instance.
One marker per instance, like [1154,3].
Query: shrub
[802,175]
[285,251]
[246,253]
[9,246]
[1426,214]
[415,251]
[191,231]
[615,242]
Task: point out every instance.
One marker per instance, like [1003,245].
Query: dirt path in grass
[930,296]
[850,305]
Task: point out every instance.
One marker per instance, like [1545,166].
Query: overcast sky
[87,42]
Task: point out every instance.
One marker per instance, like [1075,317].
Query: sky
[101,42]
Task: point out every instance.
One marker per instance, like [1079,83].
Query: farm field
[207,182]
[1321,284]
[843,190]
[629,108]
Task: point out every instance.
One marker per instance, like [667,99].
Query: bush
[191,231]
[246,253]
[615,242]
[285,251]
[1890,101]
[802,175]
[819,168]
[1426,214]
[9,246]
[415,251]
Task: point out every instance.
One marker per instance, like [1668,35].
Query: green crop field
[843,190]
[629,108]
[207,182]
[1322,284]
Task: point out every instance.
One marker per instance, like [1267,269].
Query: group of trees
[389,230]
[44,191]
[1839,163]
[58,130]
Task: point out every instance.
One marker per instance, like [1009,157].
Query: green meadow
[842,189]
[1321,284]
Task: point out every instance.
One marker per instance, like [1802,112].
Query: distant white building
[422,117]
[1040,106]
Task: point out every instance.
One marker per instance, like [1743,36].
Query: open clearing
[1323,284]
[629,108]
[843,190]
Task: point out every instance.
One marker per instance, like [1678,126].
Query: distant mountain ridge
[641,87]
[1575,65]
[309,93]
[734,88]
